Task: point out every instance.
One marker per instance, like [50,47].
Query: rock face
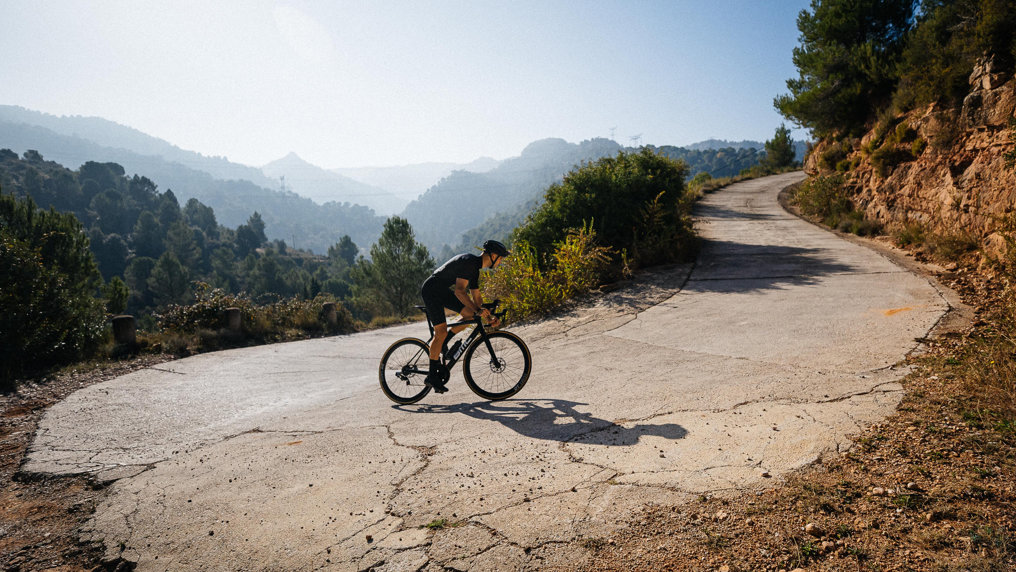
[945,169]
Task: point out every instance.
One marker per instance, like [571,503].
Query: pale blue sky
[373,83]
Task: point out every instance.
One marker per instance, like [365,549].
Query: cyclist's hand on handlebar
[491,317]
[494,320]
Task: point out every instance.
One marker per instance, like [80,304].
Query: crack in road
[165,370]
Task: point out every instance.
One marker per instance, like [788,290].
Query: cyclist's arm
[462,293]
[477,299]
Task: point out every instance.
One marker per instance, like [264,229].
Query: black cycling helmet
[495,247]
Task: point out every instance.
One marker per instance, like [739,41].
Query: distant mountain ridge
[322,186]
[386,190]
[410,181]
[463,200]
[106,133]
[288,216]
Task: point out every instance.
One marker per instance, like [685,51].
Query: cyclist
[455,285]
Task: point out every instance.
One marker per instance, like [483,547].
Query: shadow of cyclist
[555,420]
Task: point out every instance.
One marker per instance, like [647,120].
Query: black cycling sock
[434,365]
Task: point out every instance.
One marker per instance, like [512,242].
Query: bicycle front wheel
[403,369]
[501,374]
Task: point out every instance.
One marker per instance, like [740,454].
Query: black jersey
[462,266]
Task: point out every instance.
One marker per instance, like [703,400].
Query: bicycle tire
[502,379]
[403,370]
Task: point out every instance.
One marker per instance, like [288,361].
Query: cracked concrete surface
[775,346]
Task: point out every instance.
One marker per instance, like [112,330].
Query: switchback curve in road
[775,346]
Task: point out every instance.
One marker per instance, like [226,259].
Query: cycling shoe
[436,383]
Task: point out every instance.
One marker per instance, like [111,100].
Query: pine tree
[780,149]
[847,63]
[390,281]
[48,280]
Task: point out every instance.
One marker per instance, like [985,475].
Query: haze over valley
[312,207]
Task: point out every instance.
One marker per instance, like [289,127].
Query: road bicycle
[495,363]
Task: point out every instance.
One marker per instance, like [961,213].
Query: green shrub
[884,125]
[49,315]
[918,146]
[951,246]
[700,180]
[634,202]
[823,198]
[904,133]
[208,311]
[527,287]
[826,199]
[910,234]
[888,156]
[831,157]
[855,222]
[116,295]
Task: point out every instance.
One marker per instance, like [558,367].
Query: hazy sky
[377,82]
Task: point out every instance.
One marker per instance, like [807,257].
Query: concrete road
[776,345]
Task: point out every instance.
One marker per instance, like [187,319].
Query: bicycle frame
[478,330]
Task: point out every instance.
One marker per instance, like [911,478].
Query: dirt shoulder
[40,514]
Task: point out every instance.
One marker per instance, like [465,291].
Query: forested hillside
[158,247]
[288,216]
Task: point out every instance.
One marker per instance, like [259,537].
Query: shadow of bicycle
[555,420]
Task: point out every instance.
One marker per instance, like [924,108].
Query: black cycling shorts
[437,299]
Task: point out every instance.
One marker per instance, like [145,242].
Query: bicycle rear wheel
[403,370]
[499,375]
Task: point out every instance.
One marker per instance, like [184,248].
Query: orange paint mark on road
[895,311]
[295,443]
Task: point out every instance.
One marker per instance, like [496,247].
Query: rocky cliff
[949,170]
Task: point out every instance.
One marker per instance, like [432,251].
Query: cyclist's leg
[450,301]
[436,300]
[453,303]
